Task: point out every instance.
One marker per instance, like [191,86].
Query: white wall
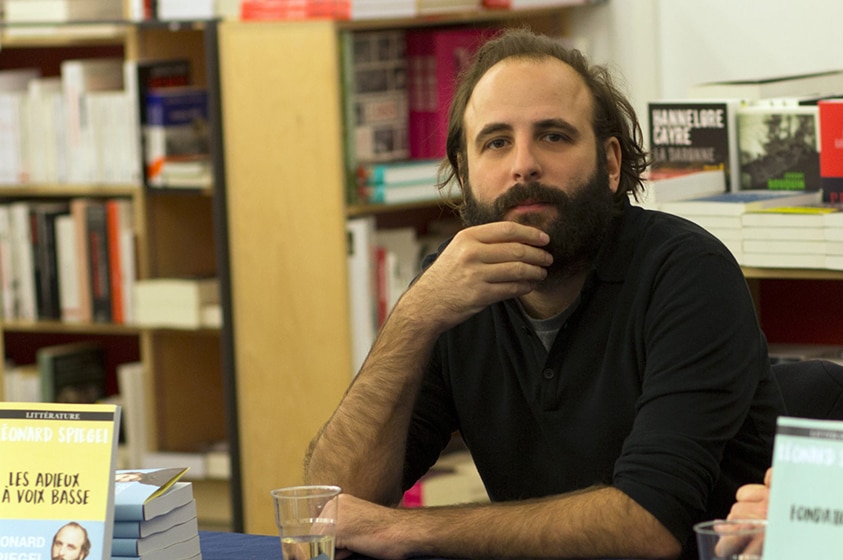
[660,47]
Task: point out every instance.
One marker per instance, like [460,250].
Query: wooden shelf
[791,273]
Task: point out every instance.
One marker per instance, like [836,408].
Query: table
[237,546]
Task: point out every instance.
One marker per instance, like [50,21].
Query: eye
[496,144]
[556,137]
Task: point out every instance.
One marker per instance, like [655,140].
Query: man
[71,543]
[603,363]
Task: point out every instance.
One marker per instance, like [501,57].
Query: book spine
[98,262]
[831,150]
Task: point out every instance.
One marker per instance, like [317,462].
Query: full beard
[578,229]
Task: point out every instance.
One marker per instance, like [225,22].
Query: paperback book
[58,467]
[143,494]
[695,136]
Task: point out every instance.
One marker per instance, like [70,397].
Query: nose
[525,164]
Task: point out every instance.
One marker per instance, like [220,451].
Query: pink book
[435,57]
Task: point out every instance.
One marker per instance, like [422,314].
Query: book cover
[177,137]
[58,467]
[174,534]
[779,147]
[374,99]
[695,135]
[140,77]
[831,149]
[186,550]
[669,185]
[141,529]
[740,202]
[73,372]
[143,494]
[804,514]
[80,76]
[435,57]
[43,216]
[121,258]
[96,238]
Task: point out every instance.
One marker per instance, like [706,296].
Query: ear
[612,149]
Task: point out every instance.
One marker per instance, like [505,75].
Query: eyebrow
[543,125]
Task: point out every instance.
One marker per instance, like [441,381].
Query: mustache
[533,192]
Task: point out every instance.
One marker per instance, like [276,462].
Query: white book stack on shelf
[786,237]
[55,11]
[14,159]
[721,214]
[833,229]
[46,131]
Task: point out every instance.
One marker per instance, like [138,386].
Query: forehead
[70,534]
[522,88]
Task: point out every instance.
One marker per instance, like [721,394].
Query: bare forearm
[361,448]
[600,522]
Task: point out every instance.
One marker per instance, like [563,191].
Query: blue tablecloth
[237,546]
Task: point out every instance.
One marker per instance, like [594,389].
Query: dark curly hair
[613,116]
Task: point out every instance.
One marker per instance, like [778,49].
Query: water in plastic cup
[738,539]
[306,519]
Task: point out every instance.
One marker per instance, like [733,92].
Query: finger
[752,493]
[768,477]
[501,232]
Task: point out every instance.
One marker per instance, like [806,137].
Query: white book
[402,244]
[51,11]
[361,287]
[185,9]
[68,265]
[80,77]
[659,189]
[8,285]
[740,202]
[174,302]
[770,233]
[131,383]
[13,140]
[781,247]
[45,133]
[23,262]
[115,138]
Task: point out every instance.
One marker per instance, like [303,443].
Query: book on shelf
[46,131]
[779,147]
[431,7]
[811,216]
[43,217]
[53,11]
[143,494]
[174,302]
[398,262]
[362,9]
[811,84]
[79,78]
[131,385]
[185,9]
[8,288]
[141,76]
[23,265]
[695,135]
[121,258]
[517,4]
[58,471]
[73,372]
[14,114]
[831,149]
[82,310]
[177,137]
[374,99]
[96,238]
[21,383]
[739,202]
[662,186]
[361,287]
[114,137]
[435,57]
[400,181]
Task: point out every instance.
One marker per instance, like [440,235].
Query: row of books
[378,9]
[65,11]
[70,260]
[104,121]
[767,228]
[777,134]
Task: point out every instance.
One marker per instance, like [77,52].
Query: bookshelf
[285,176]
[177,233]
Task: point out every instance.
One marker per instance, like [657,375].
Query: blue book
[143,494]
[142,546]
[740,202]
[140,529]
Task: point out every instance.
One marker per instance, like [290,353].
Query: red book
[434,59]
[831,149]
[121,257]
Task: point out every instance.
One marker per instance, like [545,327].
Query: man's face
[68,544]
[532,156]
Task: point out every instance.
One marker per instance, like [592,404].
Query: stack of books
[808,236]
[399,182]
[721,214]
[154,516]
